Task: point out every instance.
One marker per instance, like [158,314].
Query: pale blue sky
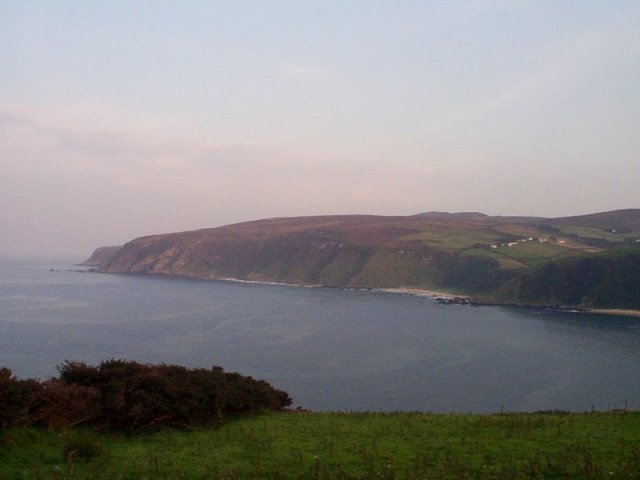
[120,119]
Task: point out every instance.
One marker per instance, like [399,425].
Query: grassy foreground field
[341,446]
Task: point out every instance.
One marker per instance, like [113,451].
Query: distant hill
[623,220]
[467,253]
[458,215]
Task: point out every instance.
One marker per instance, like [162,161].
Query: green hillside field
[303,445]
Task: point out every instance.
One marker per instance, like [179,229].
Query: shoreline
[460,300]
[614,311]
[420,292]
[444,298]
[396,290]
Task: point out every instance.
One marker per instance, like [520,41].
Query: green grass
[534,253]
[342,446]
[523,254]
[504,261]
[454,239]
[599,233]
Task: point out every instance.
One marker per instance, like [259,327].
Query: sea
[330,349]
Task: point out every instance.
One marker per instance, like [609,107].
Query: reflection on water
[329,348]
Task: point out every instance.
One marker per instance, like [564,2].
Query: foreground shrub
[64,403]
[130,396]
[19,400]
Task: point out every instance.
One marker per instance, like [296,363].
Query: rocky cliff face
[337,251]
[100,256]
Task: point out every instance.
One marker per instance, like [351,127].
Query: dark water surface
[330,349]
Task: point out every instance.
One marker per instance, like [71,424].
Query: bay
[330,349]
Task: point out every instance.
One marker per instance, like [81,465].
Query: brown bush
[126,395]
[19,399]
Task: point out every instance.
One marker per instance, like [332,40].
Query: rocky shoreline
[474,302]
[455,300]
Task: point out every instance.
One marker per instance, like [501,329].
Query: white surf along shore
[399,290]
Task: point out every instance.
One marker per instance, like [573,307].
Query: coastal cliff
[501,259]
[100,256]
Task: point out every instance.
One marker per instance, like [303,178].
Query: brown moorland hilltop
[625,220]
[468,253]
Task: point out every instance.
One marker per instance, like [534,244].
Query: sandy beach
[422,292]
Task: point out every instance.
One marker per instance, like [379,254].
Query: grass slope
[606,280]
[342,446]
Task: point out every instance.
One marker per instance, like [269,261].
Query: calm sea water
[330,349]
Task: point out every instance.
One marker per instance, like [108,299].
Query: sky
[120,119]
